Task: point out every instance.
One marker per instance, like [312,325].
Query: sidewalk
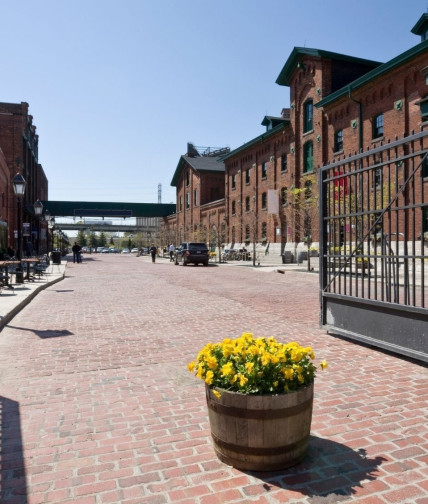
[13,300]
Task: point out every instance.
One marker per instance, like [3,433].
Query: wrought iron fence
[374,239]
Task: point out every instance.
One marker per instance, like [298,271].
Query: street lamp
[38,210]
[19,184]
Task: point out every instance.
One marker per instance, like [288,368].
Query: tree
[81,238]
[102,239]
[303,212]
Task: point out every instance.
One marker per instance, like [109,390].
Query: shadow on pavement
[47,333]
[330,473]
[12,472]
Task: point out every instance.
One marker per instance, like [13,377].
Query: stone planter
[260,433]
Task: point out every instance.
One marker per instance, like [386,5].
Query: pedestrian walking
[76,249]
[153,251]
[171,252]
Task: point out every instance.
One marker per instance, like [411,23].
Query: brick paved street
[97,405]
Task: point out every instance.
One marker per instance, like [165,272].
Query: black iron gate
[374,246]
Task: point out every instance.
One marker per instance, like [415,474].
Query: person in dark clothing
[153,251]
[76,248]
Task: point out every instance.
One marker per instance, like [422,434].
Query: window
[284,196]
[308,116]
[308,157]
[181,202]
[425,219]
[233,234]
[377,177]
[425,168]
[234,181]
[247,204]
[284,163]
[424,107]
[338,141]
[264,230]
[187,200]
[187,178]
[247,233]
[247,176]
[195,197]
[264,170]
[308,189]
[233,207]
[264,200]
[378,126]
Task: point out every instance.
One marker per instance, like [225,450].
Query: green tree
[81,238]
[102,241]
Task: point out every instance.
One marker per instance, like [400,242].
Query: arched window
[247,204]
[264,230]
[308,157]
[284,196]
[264,200]
[308,116]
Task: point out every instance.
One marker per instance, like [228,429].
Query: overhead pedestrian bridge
[102,210]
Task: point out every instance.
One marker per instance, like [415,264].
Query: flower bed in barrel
[260,397]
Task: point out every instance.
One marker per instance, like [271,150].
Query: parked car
[192,252]
[134,250]
[125,251]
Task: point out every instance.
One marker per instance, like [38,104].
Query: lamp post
[19,184]
[38,210]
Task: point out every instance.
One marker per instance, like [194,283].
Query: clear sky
[117,88]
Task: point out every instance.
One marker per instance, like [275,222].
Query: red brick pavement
[97,405]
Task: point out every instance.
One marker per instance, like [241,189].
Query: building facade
[19,145]
[200,188]
[339,105]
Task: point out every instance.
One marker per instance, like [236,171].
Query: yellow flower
[209,377]
[227,369]
[200,373]
[296,355]
[288,373]
[191,366]
[212,362]
[249,367]
[323,364]
[266,358]
[242,380]
[217,393]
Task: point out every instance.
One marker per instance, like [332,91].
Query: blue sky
[118,87]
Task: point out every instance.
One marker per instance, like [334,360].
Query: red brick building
[339,105]
[199,179]
[19,144]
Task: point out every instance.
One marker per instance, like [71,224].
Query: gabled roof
[380,70]
[420,26]
[199,164]
[272,121]
[298,52]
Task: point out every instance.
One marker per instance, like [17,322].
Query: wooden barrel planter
[260,433]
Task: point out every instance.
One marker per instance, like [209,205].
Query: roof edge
[261,137]
[372,74]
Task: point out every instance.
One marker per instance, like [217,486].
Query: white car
[125,251]
[134,251]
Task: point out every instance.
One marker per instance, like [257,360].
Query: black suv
[190,252]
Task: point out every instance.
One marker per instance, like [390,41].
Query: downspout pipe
[360,119]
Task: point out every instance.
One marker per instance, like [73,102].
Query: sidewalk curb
[9,316]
